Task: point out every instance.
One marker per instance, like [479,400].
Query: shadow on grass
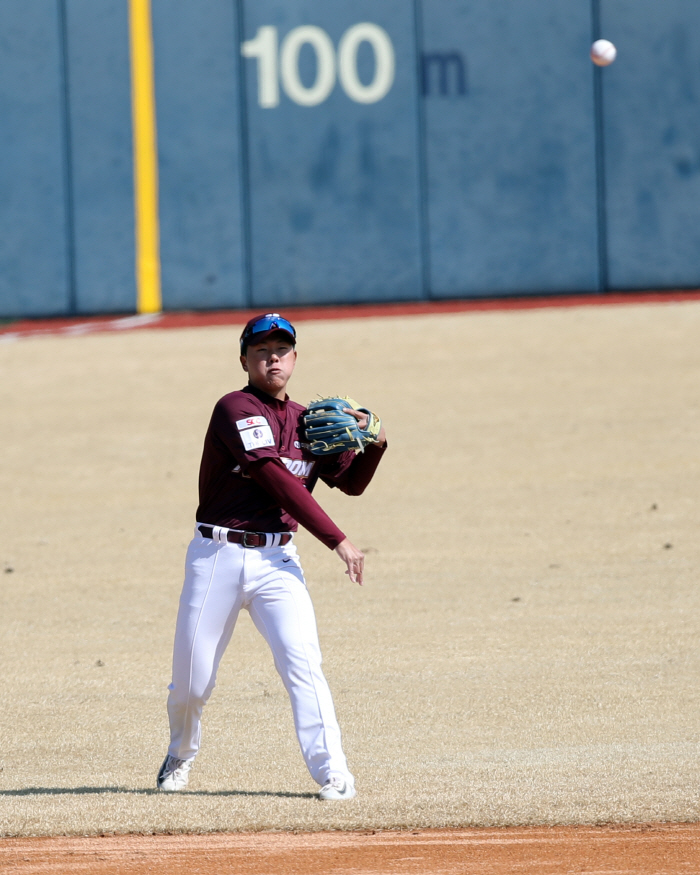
[82,791]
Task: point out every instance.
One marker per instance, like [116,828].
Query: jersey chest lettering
[298,467]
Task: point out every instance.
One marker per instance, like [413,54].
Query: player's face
[270,364]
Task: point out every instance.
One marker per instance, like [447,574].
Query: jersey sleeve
[243,426]
[351,472]
[289,492]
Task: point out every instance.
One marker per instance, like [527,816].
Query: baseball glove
[330,430]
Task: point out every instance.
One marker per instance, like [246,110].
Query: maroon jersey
[255,470]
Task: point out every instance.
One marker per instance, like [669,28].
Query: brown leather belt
[250,539]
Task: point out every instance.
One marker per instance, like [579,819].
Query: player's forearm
[355,479]
[291,495]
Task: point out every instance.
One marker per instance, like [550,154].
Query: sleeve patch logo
[261,436]
[251,422]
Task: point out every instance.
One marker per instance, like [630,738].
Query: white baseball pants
[220,579]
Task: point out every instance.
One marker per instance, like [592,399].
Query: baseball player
[255,483]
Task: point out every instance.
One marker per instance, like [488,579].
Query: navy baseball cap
[259,328]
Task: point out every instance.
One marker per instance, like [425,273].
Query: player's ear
[244,363]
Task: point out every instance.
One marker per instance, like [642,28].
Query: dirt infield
[668,849]
[524,651]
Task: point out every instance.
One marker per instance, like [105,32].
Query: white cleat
[174,774]
[336,790]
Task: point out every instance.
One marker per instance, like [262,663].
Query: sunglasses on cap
[264,325]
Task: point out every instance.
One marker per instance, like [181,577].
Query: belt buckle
[244,540]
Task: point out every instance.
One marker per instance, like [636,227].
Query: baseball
[603,52]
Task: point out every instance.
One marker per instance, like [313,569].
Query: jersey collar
[267,399]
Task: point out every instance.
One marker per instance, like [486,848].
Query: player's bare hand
[354,559]
[362,418]
[363,422]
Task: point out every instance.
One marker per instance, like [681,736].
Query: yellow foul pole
[148,291]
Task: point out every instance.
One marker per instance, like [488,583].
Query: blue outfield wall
[101,166]
[34,236]
[334,183]
[651,113]
[200,150]
[510,147]
[373,150]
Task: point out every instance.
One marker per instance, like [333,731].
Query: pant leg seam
[310,673]
[196,630]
